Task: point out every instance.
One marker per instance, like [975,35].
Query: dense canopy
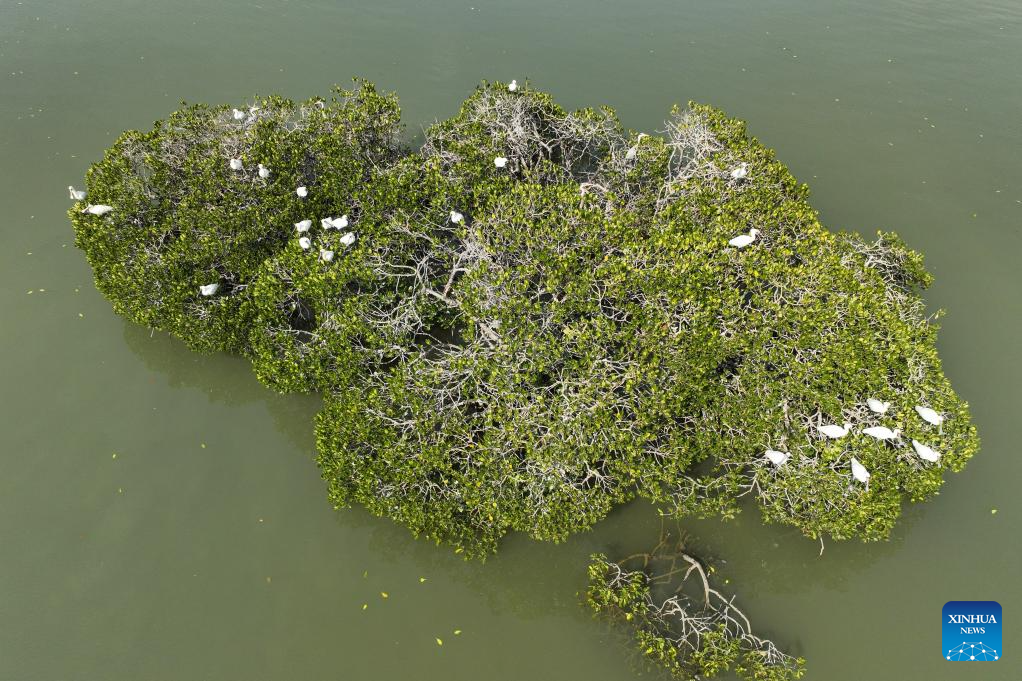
[537,315]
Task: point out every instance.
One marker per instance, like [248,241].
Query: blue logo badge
[971,631]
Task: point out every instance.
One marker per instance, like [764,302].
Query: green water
[206,549]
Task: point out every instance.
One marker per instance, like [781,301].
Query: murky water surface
[160,513]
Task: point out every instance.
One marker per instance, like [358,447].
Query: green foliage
[322,324]
[523,346]
[688,637]
[183,218]
[538,316]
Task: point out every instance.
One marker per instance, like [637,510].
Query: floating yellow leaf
[439,642]
[421,580]
[385,594]
[365,605]
[457,632]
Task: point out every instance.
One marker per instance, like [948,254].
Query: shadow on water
[532,578]
[526,577]
[223,379]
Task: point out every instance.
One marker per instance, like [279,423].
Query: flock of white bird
[79,195]
[740,172]
[883,433]
[301,228]
[834,431]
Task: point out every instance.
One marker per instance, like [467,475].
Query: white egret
[513,85]
[305,242]
[925,453]
[741,172]
[859,471]
[745,239]
[303,226]
[633,152]
[75,194]
[302,192]
[929,415]
[877,406]
[777,458]
[339,223]
[98,209]
[264,172]
[500,161]
[326,223]
[348,239]
[209,289]
[238,114]
[327,256]
[882,432]
[456,217]
[236,164]
[835,432]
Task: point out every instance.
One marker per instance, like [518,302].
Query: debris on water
[457,632]
[384,594]
[439,642]
[421,580]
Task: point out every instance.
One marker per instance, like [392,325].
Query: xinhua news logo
[971,631]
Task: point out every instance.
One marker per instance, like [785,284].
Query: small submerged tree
[678,618]
[538,316]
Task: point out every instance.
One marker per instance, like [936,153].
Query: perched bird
[339,223]
[264,172]
[456,217]
[305,242]
[744,240]
[882,432]
[302,192]
[303,226]
[513,86]
[835,432]
[859,471]
[741,172]
[777,458]
[500,161]
[236,164]
[327,256]
[925,453]
[348,239]
[326,223]
[878,407]
[238,114]
[98,209]
[209,289]
[633,152]
[75,194]
[929,415]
